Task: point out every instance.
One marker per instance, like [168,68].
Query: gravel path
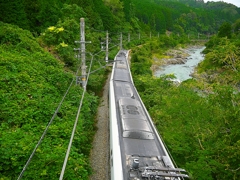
[100,153]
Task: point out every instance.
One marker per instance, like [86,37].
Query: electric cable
[45,131]
[75,126]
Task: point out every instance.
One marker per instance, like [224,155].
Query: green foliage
[213,42]
[158,15]
[33,81]
[225,30]
[105,14]
[97,80]
[72,11]
[226,56]
[32,84]
[12,37]
[236,26]
[64,34]
[195,129]
[198,122]
[167,41]
[222,53]
[49,13]
[13,12]
[140,65]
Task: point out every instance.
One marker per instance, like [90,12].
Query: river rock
[177,56]
[175,61]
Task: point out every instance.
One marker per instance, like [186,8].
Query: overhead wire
[44,133]
[75,126]
[59,106]
[46,129]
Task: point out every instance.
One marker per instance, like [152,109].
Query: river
[183,71]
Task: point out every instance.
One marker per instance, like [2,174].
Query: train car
[136,150]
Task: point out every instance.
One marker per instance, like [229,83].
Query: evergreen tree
[13,12]
[236,27]
[49,13]
[225,30]
[105,14]
[127,7]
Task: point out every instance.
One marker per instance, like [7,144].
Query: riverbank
[181,62]
[172,56]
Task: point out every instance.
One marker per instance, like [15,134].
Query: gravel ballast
[100,153]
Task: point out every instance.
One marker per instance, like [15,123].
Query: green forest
[198,120]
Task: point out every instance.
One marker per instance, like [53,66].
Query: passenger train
[136,150]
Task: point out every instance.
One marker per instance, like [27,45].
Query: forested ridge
[198,120]
[181,16]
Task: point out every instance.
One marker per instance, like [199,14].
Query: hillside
[38,65]
[184,16]
[32,84]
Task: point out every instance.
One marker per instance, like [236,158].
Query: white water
[183,71]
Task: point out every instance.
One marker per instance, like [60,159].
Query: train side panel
[115,149]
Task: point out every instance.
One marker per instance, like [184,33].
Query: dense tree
[225,30]
[236,26]
[158,15]
[13,12]
[128,9]
[105,14]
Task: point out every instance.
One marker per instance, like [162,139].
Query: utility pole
[120,46]
[128,37]
[82,52]
[106,47]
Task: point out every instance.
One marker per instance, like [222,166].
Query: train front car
[137,152]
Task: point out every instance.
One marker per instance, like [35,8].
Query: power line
[74,127]
[44,133]
[46,129]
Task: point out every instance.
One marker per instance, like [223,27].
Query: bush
[32,84]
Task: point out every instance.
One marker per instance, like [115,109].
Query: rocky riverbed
[173,56]
[180,62]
